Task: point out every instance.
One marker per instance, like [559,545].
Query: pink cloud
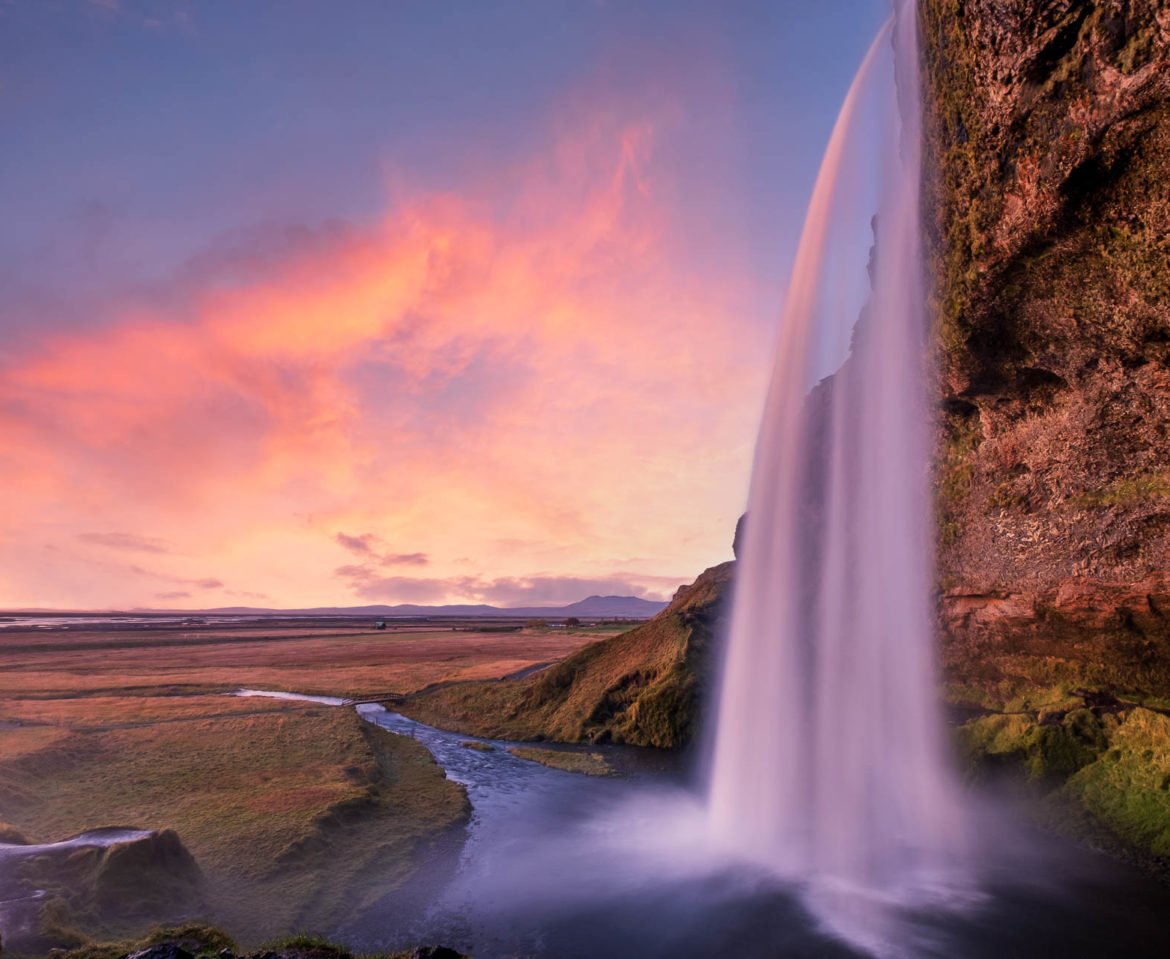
[464,374]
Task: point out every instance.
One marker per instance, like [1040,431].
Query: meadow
[293,811]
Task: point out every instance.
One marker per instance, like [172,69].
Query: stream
[560,864]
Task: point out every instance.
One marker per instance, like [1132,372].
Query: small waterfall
[829,763]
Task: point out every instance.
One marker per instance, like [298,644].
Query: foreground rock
[1103,772]
[643,687]
[51,892]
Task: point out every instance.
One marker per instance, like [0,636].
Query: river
[560,864]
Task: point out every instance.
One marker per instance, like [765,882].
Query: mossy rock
[1047,751]
[1128,787]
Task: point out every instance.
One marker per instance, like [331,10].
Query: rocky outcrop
[52,891]
[1049,211]
[1080,632]
[643,687]
[1050,140]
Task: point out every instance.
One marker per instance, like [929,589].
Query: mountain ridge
[626,607]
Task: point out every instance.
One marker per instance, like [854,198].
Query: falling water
[829,762]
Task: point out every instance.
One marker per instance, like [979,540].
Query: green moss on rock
[1047,751]
[1128,787]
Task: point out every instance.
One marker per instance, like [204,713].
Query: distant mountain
[620,606]
[595,607]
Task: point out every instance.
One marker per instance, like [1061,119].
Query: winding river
[561,864]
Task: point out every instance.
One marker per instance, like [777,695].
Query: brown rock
[1049,130]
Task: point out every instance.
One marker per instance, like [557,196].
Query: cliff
[1049,145]
[1048,203]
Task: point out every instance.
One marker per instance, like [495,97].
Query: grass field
[289,808]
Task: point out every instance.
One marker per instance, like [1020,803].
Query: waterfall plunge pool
[560,864]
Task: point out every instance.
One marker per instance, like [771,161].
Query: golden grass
[15,743]
[590,764]
[111,711]
[294,811]
[637,686]
[210,780]
[286,813]
[354,663]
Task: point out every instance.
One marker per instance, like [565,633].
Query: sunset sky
[343,303]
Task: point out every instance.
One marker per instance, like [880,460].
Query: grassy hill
[643,687]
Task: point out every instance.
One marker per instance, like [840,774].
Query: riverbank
[294,812]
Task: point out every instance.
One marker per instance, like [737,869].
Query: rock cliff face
[1049,141]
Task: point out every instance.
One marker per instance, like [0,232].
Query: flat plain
[288,807]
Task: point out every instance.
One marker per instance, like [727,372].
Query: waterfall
[829,761]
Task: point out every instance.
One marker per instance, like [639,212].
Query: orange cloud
[536,386]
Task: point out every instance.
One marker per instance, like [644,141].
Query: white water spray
[829,763]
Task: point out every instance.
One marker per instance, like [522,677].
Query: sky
[309,303]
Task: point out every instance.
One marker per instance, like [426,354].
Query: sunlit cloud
[363,544]
[518,372]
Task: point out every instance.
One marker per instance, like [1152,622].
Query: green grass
[1129,491]
[1128,787]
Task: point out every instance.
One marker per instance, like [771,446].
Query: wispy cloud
[370,548]
[403,559]
[126,541]
[521,362]
[199,582]
[363,544]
